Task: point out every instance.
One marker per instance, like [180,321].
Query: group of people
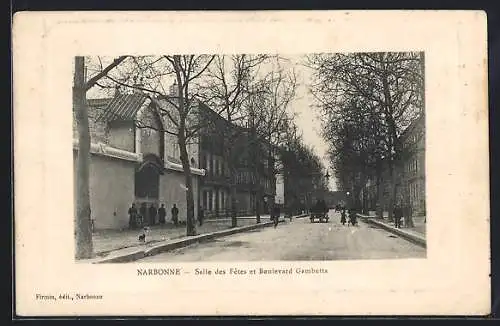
[147,216]
[402,212]
[351,214]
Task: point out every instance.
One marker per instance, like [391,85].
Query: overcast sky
[307,117]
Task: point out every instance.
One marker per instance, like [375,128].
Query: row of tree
[366,101]
[252,92]
[303,173]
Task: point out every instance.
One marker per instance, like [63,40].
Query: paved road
[299,240]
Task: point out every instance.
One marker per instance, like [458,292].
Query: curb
[418,240]
[142,253]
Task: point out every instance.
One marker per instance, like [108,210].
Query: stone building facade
[412,187]
[129,164]
[410,179]
[215,186]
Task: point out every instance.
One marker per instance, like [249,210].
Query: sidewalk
[105,241]
[129,249]
[418,222]
[415,234]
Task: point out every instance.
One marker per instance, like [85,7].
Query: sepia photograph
[211,158]
[301,161]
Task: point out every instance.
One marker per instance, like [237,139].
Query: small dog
[142,236]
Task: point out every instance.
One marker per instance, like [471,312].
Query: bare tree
[270,115]
[179,110]
[231,82]
[83,231]
[389,84]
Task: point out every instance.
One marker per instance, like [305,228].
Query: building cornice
[108,151]
[178,167]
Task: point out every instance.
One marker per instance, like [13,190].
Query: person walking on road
[343,217]
[175,215]
[276,215]
[352,217]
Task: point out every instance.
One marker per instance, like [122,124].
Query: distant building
[333,198]
[215,186]
[410,180]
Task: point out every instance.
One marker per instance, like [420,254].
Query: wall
[111,190]
[243,204]
[172,191]
[121,135]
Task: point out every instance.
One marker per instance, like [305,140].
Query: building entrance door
[147,186]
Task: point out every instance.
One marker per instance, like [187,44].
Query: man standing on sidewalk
[200,215]
[161,214]
[132,212]
[398,213]
[143,213]
[175,215]
[152,214]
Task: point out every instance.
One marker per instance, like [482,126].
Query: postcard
[251,163]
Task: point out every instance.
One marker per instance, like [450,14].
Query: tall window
[210,200]
[205,199]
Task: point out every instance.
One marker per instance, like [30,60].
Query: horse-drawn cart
[319,216]
[319,212]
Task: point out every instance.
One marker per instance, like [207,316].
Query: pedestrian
[398,213]
[143,212]
[132,212]
[289,212]
[152,214]
[352,217]
[200,216]
[175,215]
[276,213]
[162,213]
[406,215]
[343,216]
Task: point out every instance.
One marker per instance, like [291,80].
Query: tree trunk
[258,194]
[380,197]
[232,187]
[190,221]
[234,220]
[257,206]
[83,231]
[392,195]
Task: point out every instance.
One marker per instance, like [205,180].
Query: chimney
[138,84]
